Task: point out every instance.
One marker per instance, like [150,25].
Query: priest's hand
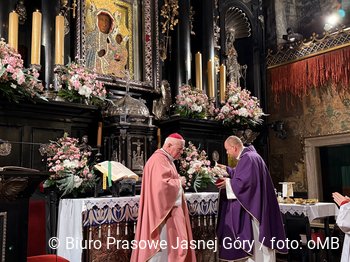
[221,182]
[221,166]
[339,198]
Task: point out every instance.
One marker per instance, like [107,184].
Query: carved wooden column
[207,38]
[49,11]
[183,45]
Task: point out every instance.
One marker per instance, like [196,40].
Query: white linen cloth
[343,221]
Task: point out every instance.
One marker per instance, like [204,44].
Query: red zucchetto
[176,136]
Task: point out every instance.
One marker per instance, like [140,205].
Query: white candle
[99,134]
[222,82]
[211,78]
[36,38]
[199,71]
[59,40]
[13,30]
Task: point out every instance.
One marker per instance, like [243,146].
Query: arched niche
[247,19]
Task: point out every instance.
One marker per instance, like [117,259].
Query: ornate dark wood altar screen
[28,125]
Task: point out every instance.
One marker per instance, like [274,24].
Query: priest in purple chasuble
[163,217]
[249,223]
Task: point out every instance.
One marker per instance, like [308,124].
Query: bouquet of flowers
[195,167]
[17,82]
[69,163]
[240,108]
[192,103]
[81,86]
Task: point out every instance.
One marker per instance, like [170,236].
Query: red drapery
[297,78]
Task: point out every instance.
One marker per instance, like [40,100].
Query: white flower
[196,108]
[70,164]
[191,170]
[77,181]
[188,100]
[85,91]
[233,99]
[74,78]
[225,109]
[243,112]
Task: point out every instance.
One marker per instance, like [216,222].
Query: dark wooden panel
[12,133]
[28,124]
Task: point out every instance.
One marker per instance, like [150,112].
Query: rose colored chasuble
[160,188]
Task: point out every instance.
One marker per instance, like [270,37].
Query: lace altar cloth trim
[311,211]
[98,211]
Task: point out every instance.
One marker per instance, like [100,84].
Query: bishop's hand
[183,180]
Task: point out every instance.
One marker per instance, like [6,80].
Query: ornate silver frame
[150,70]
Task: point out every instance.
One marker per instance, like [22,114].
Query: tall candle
[36,38]
[59,40]
[199,71]
[13,30]
[211,78]
[99,134]
[222,82]
[159,138]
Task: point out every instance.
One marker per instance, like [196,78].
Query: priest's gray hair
[234,141]
[173,141]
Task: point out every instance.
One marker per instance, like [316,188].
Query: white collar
[240,153]
[168,155]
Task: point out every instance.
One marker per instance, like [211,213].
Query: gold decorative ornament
[168,13]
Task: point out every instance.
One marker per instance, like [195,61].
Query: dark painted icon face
[104,22]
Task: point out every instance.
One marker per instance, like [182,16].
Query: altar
[98,229]
[297,221]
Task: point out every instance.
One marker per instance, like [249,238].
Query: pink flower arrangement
[240,108]
[69,164]
[192,103]
[195,167]
[81,86]
[17,82]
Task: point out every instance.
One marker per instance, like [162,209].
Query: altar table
[297,219]
[318,210]
[92,219]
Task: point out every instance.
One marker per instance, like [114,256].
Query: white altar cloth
[317,210]
[74,214]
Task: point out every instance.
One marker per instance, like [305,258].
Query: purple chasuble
[252,185]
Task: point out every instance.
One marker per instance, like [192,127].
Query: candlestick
[13,30]
[36,38]
[59,40]
[159,138]
[222,83]
[211,78]
[99,134]
[199,71]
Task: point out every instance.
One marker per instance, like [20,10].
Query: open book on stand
[118,170]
